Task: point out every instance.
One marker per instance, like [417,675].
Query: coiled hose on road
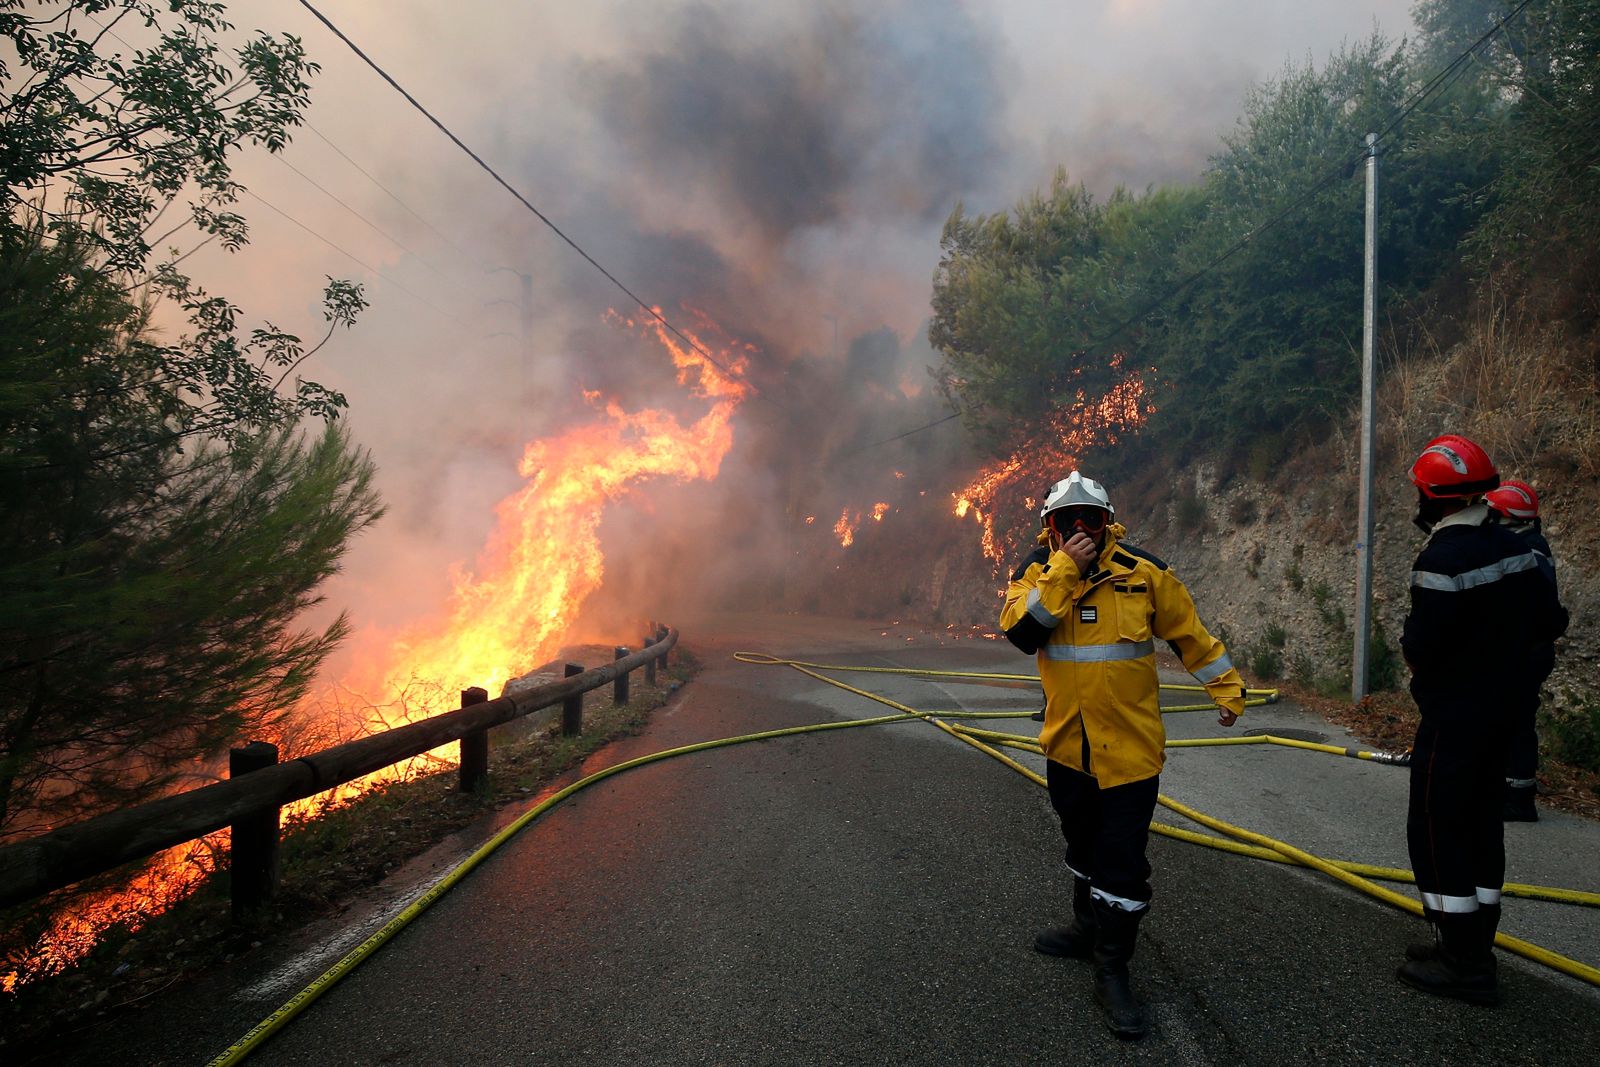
[1243,842]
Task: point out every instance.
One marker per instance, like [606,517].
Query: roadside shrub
[1242,510]
[1292,575]
[1574,737]
[1276,635]
[1266,663]
[1188,511]
[1303,670]
[1385,668]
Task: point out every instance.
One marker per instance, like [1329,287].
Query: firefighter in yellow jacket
[1092,607]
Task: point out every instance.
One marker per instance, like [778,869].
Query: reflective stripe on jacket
[1095,637]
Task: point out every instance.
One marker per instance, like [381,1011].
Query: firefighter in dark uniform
[1516,505]
[1478,607]
[1092,607]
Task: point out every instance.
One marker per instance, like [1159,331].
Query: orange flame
[845,530]
[1049,453]
[879,510]
[540,564]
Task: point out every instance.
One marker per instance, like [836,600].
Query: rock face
[1273,571]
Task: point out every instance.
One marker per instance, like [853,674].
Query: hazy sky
[783,166]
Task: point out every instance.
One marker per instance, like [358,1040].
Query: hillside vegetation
[1236,303]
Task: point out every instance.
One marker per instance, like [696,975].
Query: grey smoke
[895,110]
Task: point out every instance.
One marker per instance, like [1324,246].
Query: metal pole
[1369,377]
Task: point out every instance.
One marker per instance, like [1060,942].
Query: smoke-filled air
[562,464]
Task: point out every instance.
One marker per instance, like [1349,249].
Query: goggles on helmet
[1090,519]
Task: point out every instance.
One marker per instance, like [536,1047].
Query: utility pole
[1369,378]
[525,308]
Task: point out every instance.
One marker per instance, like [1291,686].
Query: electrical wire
[355,259]
[391,238]
[524,201]
[390,192]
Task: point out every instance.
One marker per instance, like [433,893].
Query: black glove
[1038,555]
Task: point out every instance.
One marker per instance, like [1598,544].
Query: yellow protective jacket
[1095,636]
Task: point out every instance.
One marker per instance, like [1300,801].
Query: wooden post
[650,667]
[474,747]
[254,865]
[619,691]
[572,707]
[661,635]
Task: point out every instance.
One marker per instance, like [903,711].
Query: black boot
[1488,920]
[1075,941]
[1463,965]
[1115,933]
[1519,804]
[1426,950]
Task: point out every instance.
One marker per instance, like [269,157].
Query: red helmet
[1453,467]
[1515,500]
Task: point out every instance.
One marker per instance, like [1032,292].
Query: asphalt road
[869,896]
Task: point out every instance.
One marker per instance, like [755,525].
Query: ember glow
[509,615]
[845,528]
[879,510]
[995,494]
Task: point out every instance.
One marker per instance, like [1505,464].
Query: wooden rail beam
[37,865]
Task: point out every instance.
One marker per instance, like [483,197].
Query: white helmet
[1076,491]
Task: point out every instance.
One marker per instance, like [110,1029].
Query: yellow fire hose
[1247,843]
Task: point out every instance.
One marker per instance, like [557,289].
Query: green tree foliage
[168,519]
[1271,335]
[1244,290]
[1027,305]
[1540,80]
[101,139]
[148,589]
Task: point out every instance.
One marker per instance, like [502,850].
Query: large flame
[1047,454]
[540,564]
[543,560]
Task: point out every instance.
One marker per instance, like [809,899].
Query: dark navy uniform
[1479,606]
[1522,754]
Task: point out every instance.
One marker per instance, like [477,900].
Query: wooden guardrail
[249,802]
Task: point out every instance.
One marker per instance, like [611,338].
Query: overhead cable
[354,259]
[523,200]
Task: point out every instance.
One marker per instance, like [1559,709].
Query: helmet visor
[1079,517]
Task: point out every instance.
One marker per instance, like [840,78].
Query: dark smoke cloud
[895,110]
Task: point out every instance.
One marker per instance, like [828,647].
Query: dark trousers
[1106,830]
[1522,747]
[1453,825]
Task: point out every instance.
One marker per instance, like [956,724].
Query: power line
[379,229]
[355,259]
[391,193]
[107,29]
[524,201]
